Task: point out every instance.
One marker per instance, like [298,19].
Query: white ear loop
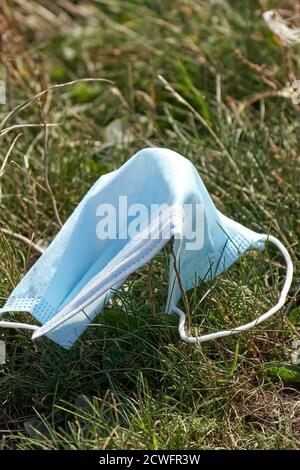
[15,325]
[282,298]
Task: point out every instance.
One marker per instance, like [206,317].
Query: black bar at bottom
[142,458]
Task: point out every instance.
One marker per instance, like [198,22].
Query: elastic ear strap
[23,326]
[282,298]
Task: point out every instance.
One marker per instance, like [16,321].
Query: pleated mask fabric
[80,271]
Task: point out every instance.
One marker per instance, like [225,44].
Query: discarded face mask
[99,247]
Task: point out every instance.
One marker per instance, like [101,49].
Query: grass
[129,382]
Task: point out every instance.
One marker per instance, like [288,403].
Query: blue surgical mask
[95,252]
